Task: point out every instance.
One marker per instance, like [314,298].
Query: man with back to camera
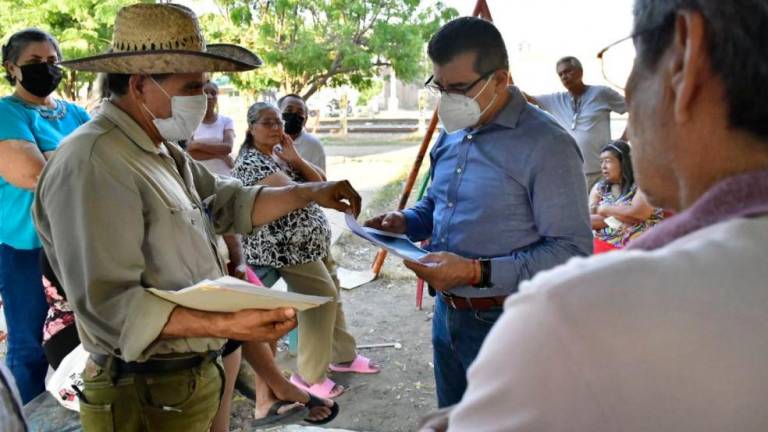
[667,334]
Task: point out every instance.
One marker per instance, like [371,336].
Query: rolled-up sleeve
[93,229]
[229,203]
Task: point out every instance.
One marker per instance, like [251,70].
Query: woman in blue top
[32,125]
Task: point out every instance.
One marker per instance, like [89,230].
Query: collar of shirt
[129,126]
[509,116]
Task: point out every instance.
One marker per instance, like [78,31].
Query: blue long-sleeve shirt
[512,190]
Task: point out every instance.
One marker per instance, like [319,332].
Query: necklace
[56,113]
[576,107]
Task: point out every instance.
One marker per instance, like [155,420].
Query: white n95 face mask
[458,112]
[187,112]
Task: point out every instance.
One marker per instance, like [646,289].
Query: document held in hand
[397,244]
[228,294]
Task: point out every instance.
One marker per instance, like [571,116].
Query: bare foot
[289,392]
[264,404]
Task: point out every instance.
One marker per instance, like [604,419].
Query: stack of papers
[228,294]
[397,244]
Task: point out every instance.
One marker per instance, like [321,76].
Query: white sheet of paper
[613,222]
[228,294]
[398,244]
[351,279]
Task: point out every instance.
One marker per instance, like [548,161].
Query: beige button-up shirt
[116,215]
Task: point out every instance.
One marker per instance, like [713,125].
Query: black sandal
[274,418]
[316,402]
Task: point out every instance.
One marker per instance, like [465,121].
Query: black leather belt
[153,365]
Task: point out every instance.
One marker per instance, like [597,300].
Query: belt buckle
[450,300]
[471,306]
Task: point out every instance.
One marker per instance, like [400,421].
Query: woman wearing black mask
[32,124]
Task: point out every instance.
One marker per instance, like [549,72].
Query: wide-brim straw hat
[163,38]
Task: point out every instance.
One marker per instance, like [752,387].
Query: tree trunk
[89,90]
[318,84]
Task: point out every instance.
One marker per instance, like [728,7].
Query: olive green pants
[185,400]
[323,335]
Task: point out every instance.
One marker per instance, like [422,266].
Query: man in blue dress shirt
[507,198]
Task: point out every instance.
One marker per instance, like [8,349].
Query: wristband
[485,274]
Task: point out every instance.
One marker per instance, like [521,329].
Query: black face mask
[294,123]
[40,79]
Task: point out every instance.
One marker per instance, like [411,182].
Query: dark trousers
[457,336]
[25,309]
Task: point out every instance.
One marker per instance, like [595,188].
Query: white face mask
[458,112]
[187,113]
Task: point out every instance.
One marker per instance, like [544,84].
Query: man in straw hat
[121,208]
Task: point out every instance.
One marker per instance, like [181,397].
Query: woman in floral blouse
[619,211]
[297,246]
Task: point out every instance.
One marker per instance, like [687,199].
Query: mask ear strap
[490,104]
[160,87]
[147,110]
[484,87]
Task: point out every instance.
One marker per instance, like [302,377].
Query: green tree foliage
[83,27]
[310,44]
[305,44]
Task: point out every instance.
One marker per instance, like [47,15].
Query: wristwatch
[485,274]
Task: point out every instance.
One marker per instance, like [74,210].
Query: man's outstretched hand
[339,195]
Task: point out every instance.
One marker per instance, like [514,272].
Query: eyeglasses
[278,124]
[616,61]
[438,89]
[618,58]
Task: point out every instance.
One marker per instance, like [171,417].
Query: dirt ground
[381,311]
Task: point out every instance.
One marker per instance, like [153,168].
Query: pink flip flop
[326,389]
[360,364]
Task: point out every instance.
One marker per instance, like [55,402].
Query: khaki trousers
[185,400]
[323,335]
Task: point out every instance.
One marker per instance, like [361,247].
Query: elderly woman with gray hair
[296,247]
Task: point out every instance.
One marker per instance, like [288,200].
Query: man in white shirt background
[584,111]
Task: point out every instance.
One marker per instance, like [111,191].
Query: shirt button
[443,239]
[469,137]
[450,204]
[458,170]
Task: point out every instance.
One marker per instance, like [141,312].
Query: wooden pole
[379,261]
[481,10]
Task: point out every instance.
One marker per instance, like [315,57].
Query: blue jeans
[457,336]
[25,309]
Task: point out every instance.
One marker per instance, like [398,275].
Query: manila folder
[228,294]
